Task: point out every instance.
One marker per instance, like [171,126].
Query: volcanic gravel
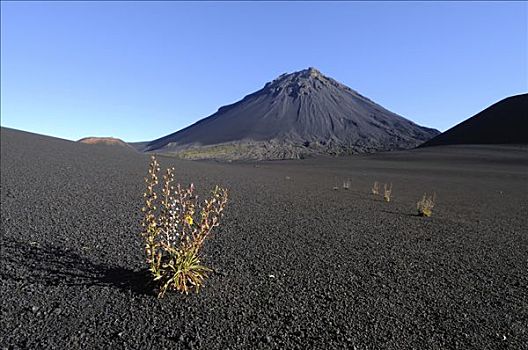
[298,265]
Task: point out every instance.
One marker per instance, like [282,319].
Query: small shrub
[346,184]
[387,192]
[426,204]
[375,188]
[175,230]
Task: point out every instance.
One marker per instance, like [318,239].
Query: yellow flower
[189,220]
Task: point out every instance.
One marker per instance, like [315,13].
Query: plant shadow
[56,266]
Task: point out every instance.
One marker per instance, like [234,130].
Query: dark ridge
[139,146]
[302,108]
[94,145]
[505,122]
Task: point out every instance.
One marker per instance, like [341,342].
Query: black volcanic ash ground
[349,271]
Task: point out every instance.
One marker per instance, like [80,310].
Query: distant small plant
[346,184]
[426,204]
[387,192]
[174,233]
[376,188]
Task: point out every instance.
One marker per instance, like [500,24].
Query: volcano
[296,115]
[505,122]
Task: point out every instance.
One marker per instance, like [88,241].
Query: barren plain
[297,264]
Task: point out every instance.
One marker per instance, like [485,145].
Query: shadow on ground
[55,266]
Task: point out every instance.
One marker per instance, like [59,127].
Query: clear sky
[141,70]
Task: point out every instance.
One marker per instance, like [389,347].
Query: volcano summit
[296,115]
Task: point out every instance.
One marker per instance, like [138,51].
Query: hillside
[103,140]
[505,122]
[296,115]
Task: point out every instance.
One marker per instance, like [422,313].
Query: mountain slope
[300,113]
[111,141]
[505,122]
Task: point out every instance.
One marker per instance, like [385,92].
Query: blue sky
[141,70]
